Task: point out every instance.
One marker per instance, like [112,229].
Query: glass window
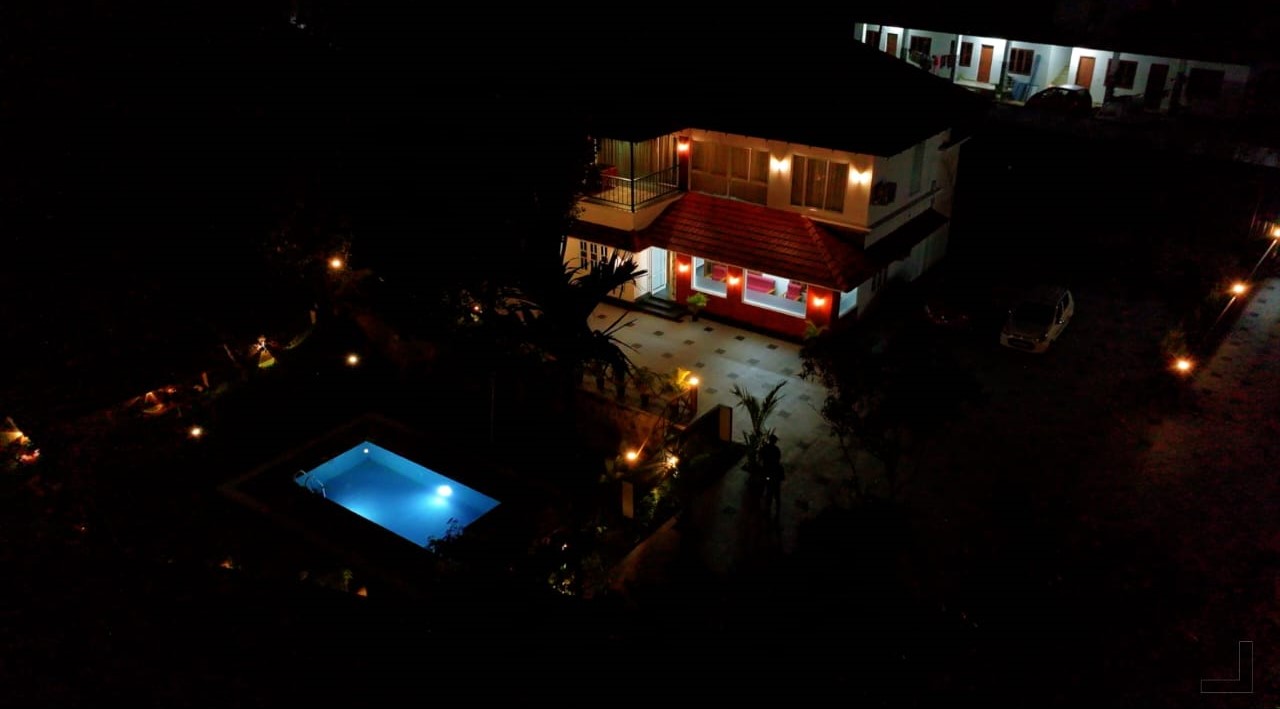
[741,163]
[710,277]
[775,293]
[797,183]
[1021,61]
[760,166]
[1205,83]
[700,159]
[917,168]
[730,171]
[848,301]
[818,183]
[837,186]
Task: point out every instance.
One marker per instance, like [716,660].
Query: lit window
[848,302]
[730,171]
[710,277]
[775,293]
[819,183]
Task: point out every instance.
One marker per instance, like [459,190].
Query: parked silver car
[1038,318]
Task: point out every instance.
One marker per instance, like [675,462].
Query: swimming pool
[395,493]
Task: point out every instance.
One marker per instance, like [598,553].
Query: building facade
[776,235]
[1013,70]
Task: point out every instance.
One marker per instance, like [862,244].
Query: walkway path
[724,529]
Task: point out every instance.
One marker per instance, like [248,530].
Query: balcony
[606,186]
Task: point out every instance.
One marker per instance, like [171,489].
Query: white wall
[1051,61]
[1059,62]
[630,291]
[1231,101]
[1145,62]
[857,196]
[1097,87]
[941,47]
[970,73]
[898,169]
[885,31]
[936,246]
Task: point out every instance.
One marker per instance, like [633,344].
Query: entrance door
[892,46]
[658,264]
[1084,72]
[984,64]
[1154,94]
[873,38]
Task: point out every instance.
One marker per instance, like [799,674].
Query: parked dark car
[1068,99]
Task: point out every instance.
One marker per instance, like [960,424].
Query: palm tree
[759,411]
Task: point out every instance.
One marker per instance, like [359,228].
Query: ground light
[195,432]
[1183,365]
[632,455]
[353,359]
[336,263]
[1239,288]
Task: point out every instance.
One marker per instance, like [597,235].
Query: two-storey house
[785,205]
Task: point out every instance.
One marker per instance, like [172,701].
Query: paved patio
[725,529]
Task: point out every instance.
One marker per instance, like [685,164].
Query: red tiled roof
[775,241]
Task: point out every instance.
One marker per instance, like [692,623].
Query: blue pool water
[396,493]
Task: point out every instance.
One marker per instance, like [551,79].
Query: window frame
[799,176]
[966,54]
[709,156]
[1196,88]
[776,302]
[926,41]
[1125,69]
[698,264]
[1016,57]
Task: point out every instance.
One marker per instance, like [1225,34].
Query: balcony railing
[632,193]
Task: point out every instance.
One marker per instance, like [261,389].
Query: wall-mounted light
[778,164]
[819,301]
[734,280]
[682,267]
[682,144]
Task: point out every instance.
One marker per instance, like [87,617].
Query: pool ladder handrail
[312,479]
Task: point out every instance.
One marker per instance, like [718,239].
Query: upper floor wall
[912,182]
[832,185]
[851,189]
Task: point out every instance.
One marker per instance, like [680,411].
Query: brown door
[1084,72]
[873,38]
[892,45]
[1154,95]
[984,63]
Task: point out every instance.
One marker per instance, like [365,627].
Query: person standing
[771,465]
